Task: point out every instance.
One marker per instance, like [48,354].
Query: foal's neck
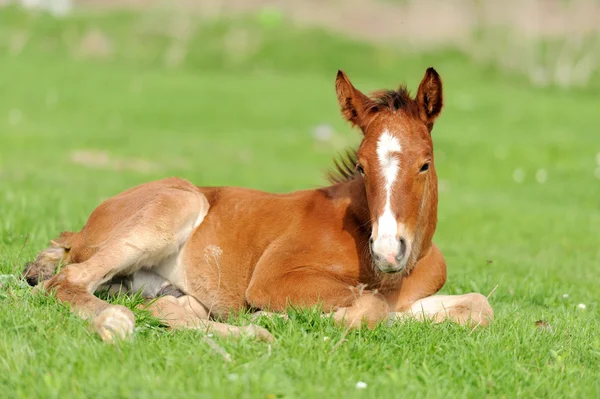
[353,193]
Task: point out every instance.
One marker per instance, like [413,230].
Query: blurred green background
[97,96]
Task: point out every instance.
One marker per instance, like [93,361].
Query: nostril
[371,242]
[32,281]
[401,249]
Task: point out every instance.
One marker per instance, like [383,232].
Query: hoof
[114,323]
[481,311]
[367,310]
[255,331]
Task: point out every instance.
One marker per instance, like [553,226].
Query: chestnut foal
[362,247]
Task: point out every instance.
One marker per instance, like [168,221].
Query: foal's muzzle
[389,254]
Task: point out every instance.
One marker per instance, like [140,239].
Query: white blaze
[388,147]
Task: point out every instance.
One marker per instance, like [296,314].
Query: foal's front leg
[415,296]
[471,309]
[307,287]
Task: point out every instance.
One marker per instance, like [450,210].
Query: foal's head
[395,161]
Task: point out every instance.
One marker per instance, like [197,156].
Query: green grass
[220,119]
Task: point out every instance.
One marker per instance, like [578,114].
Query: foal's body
[231,248]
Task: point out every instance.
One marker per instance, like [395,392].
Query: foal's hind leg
[76,283]
[186,312]
[45,264]
[155,232]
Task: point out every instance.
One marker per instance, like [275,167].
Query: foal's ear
[356,107]
[429,97]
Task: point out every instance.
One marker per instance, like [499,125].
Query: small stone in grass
[361,385]
[581,306]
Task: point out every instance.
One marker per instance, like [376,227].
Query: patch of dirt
[505,33]
[95,44]
[103,160]
[414,22]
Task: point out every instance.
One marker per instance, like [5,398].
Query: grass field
[519,209]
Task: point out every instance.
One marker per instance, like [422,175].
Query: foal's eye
[424,168]
[360,169]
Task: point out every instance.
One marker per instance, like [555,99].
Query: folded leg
[186,312]
[471,309]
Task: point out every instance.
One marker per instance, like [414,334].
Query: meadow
[93,104]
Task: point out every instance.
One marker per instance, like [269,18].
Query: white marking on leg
[387,147]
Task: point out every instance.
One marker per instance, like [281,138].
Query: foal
[362,247]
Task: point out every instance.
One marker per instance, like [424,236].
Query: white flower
[361,385]
[14,116]
[51,97]
[519,175]
[565,296]
[323,133]
[325,339]
[581,306]
[541,176]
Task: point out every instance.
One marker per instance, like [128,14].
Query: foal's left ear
[429,97]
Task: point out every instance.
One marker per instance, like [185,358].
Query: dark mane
[344,164]
[393,100]
[344,167]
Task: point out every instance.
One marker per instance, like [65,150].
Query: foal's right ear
[356,107]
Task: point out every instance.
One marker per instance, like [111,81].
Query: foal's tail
[46,263]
